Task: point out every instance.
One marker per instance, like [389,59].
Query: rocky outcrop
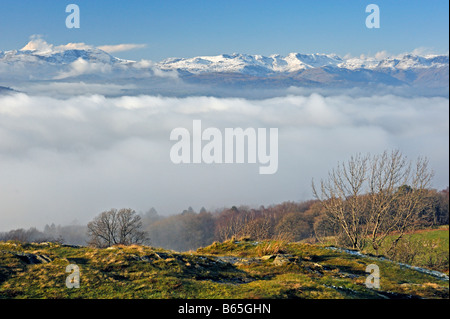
[33,259]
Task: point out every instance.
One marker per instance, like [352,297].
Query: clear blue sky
[173,28]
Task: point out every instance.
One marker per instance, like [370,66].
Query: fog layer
[67,159]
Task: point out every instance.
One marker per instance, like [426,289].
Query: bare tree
[371,197]
[116,227]
[341,196]
[232,223]
[398,194]
[259,226]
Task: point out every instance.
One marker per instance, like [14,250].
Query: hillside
[427,247]
[232,269]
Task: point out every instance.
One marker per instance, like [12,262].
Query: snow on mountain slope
[247,64]
[234,63]
[404,62]
[38,51]
[63,54]
[39,60]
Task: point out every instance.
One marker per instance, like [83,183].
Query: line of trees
[72,234]
[292,221]
[189,230]
[361,202]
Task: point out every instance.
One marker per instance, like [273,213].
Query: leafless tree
[116,227]
[341,196]
[259,226]
[373,196]
[232,223]
[398,194]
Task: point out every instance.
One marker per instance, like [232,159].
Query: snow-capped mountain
[59,56]
[251,64]
[314,70]
[40,61]
[403,62]
[261,65]
[39,52]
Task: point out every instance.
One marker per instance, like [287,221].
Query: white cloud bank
[69,159]
[121,47]
[82,67]
[37,43]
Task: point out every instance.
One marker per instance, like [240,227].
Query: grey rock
[33,259]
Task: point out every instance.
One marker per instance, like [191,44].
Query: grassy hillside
[428,248]
[232,269]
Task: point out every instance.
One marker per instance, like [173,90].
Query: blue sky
[194,27]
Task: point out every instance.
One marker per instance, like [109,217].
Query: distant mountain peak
[39,60]
[293,62]
[38,45]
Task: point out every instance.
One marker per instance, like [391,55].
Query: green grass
[427,248]
[232,269]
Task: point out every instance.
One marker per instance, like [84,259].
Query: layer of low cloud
[121,47]
[83,67]
[137,70]
[37,43]
[65,159]
[383,54]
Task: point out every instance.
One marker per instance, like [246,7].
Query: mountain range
[259,65]
[40,61]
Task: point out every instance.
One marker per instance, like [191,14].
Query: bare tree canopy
[115,227]
[370,197]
